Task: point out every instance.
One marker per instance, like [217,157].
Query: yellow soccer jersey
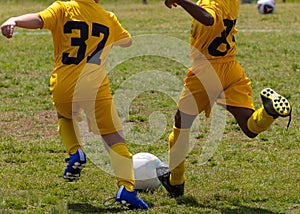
[81,29]
[215,41]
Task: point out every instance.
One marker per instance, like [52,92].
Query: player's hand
[7,28]
[170,3]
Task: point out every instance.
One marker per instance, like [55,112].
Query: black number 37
[97,30]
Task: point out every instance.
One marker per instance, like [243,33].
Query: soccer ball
[144,165]
[266,6]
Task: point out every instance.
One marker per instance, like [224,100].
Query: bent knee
[183,120]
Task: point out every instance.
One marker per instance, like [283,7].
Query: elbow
[129,43]
[126,43]
[209,21]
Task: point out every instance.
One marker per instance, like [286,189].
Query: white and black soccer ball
[266,6]
[144,165]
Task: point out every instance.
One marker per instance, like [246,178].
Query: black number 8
[213,47]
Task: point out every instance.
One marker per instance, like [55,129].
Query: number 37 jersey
[216,41]
[83,33]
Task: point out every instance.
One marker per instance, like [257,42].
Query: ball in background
[144,165]
[266,6]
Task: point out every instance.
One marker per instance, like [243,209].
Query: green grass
[244,175]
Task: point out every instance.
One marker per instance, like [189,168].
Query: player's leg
[274,106]
[242,115]
[104,120]
[178,148]
[68,131]
[119,153]
[240,103]
[253,122]
[121,161]
[193,100]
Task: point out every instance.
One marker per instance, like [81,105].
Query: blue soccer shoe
[130,199]
[76,163]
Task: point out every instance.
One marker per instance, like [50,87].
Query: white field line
[179,31]
[268,31]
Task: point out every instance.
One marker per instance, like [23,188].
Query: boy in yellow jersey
[215,76]
[83,33]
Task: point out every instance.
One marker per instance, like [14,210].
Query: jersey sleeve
[51,15]
[118,31]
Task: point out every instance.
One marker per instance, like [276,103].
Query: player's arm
[29,21]
[196,11]
[124,42]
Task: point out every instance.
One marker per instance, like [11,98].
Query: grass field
[241,175]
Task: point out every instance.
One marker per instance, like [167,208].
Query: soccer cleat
[130,199]
[76,163]
[175,191]
[275,104]
[163,174]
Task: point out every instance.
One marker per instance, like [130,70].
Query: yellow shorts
[221,82]
[102,116]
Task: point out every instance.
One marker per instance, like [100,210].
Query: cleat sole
[280,104]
